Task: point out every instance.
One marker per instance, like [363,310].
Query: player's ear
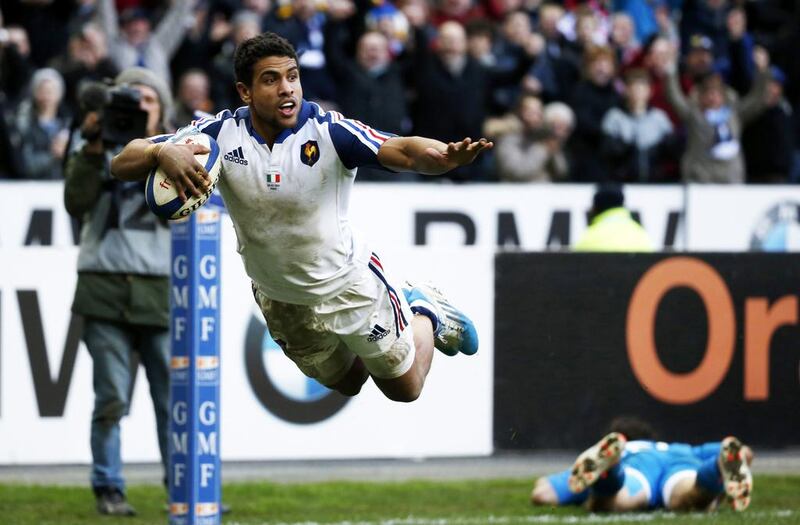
[244,92]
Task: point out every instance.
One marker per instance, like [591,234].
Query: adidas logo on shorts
[237,156]
[378,333]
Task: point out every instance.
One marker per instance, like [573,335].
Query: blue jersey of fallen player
[648,466]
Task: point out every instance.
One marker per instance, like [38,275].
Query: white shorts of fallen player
[371,320]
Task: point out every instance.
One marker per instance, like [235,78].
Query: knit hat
[778,75]
[50,74]
[145,77]
[607,196]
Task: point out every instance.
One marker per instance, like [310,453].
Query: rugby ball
[160,194]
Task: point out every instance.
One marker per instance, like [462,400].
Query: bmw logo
[278,384]
[778,230]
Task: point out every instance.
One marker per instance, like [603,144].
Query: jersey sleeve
[212,124]
[208,124]
[357,144]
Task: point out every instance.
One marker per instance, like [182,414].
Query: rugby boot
[453,331]
[595,461]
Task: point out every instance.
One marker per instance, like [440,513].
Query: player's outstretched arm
[429,156]
[140,156]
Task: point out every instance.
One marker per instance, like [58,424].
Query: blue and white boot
[453,331]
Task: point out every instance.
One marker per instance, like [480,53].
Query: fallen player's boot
[596,460]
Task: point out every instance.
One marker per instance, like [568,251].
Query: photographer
[123,271]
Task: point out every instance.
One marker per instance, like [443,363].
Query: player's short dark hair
[254,49]
[633,428]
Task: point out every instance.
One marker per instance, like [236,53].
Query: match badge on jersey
[273,178]
[160,193]
[309,153]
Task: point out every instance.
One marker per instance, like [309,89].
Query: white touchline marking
[539,518]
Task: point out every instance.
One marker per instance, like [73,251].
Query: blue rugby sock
[611,482]
[709,477]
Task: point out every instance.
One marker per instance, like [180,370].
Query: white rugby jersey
[289,204]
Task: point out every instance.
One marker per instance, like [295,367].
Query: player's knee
[405,395]
[349,389]
[350,385]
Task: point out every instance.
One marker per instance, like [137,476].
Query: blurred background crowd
[574,91]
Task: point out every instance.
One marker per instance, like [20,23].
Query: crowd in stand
[575,91]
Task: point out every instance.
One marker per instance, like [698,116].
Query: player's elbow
[543,493]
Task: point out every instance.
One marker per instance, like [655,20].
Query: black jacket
[377,100]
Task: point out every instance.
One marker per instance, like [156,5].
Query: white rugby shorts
[371,319]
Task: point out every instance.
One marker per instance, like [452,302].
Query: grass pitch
[503,502]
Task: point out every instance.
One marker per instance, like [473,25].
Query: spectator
[15,64]
[45,22]
[262,9]
[453,90]
[560,119]
[585,26]
[376,90]
[623,39]
[480,42]
[643,15]
[193,96]
[698,62]
[515,34]
[85,59]
[611,226]
[461,11]
[535,152]
[656,58]
[591,100]
[557,69]
[303,28]
[739,67]
[714,120]
[132,41]
[9,168]
[375,83]
[244,25]
[384,18]
[42,127]
[769,141]
[638,138]
[705,17]
[417,12]
[203,40]
[122,290]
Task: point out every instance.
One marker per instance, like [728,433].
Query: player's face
[275,94]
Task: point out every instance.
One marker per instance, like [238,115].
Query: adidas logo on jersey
[236,156]
[378,333]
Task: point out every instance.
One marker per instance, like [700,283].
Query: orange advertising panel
[701,346]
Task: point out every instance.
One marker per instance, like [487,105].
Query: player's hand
[180,166]
[458,153]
